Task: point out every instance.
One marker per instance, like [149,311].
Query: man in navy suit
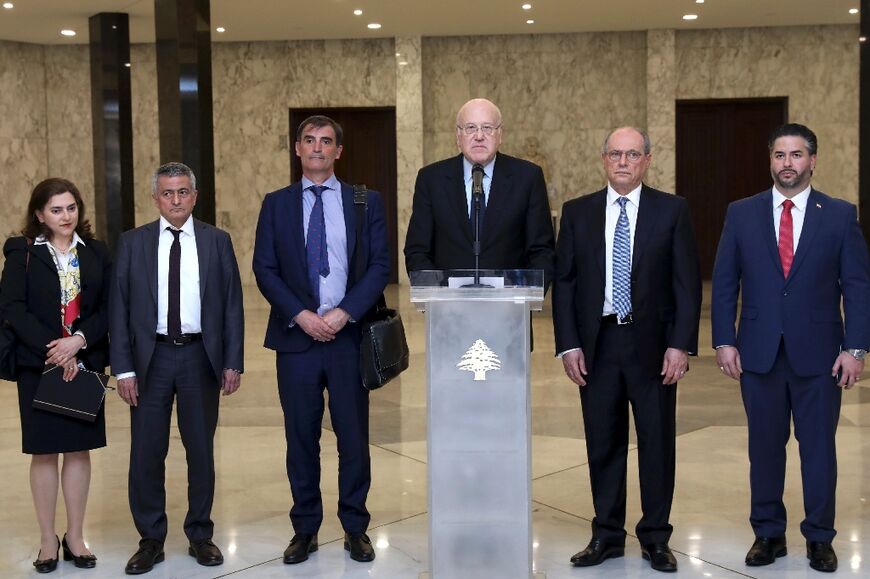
[304,257]
[516,230]
[796,255]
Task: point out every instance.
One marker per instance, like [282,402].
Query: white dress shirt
[798,212]
[611,216]
[190,303]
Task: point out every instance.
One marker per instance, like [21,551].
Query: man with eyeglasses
[516,231]
[799,262]
[177,330]
[626,307]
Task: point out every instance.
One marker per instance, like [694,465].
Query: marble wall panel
[816,67]
[660,108]
[409,131]
[559,96]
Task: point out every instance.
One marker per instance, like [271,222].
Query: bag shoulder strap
[361,203]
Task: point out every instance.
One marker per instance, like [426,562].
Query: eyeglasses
[615,156]
[487,130]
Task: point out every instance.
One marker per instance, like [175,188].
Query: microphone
[477,179]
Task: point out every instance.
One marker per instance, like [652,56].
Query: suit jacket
[133,303]
[830,266]
[665,278]
[30,301]
[280,264]
[517,231]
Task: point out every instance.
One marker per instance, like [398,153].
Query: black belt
[181,340]
[614,320]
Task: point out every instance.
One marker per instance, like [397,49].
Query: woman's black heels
[80,561]
[47,565]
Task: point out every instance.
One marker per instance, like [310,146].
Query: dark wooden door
[721,153]
[368,158]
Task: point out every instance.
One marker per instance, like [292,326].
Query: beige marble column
[661,90]
[409,133]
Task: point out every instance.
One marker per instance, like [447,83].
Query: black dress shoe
[765,550]
[299,547]
[206,553]
[821,556]
[596,552]
[360,547]
[149,554]
[47,565]
[81,561]
[659,556]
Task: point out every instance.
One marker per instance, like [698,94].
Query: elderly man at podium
[626,306]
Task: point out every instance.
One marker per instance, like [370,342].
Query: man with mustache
[796,255]
[304,256]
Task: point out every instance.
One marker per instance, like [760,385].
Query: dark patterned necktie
[173,313]
[315,241]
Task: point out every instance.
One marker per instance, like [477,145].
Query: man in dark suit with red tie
[795,256]
[304,258]
[176,325]
[516,228]
[626,306]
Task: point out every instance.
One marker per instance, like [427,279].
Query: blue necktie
[622,263]
[315,242]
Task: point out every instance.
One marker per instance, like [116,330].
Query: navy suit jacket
[280,264]
[133,301]
[665,279]
[517,231]
[830,266]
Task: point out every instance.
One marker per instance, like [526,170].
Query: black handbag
[80,398]
[384,350]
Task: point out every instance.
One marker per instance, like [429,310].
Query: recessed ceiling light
[398,54]
[862,39]
[373,25]
[530,21]
[220,29]
[527,6]
[357,12]
[851,10]
[403,63]
[68,32]
[127,64]
[8,5]
[699,1]
[690,16]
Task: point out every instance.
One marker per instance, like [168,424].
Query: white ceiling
[40,21]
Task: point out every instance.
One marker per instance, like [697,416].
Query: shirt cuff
[560,354]
[723,346]
[85,340]
[123,375]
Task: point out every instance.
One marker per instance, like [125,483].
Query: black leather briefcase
[384,349]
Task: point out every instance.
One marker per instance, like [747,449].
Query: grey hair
[647,145]
[172,169]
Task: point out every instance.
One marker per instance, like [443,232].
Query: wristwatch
[858,353]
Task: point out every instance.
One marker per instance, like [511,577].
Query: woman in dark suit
[54,295]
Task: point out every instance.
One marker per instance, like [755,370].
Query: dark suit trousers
[771,401]
[616,381]
[181,372]
[302,377]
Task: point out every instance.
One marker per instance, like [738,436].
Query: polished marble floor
[711,532]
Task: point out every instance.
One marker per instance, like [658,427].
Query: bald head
[478,130]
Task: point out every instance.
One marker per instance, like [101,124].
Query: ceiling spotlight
[357,12]
[68,32]
[127,64]
[527,6]
[373,25]
[220,29]
[403,63]
[690,16]
[530,21]
[851,10]
[862,39]
[8,5]
[699,1]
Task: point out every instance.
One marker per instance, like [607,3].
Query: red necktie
[786,237]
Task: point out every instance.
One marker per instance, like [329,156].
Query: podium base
[535,575]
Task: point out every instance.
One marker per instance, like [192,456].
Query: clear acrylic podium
[479,420]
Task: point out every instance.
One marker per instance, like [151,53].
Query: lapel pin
[819,205]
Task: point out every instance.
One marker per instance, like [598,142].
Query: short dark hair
[794,130]
[39,198]
[172,169]
[319,121]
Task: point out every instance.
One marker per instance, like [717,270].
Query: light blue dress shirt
[333,286]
